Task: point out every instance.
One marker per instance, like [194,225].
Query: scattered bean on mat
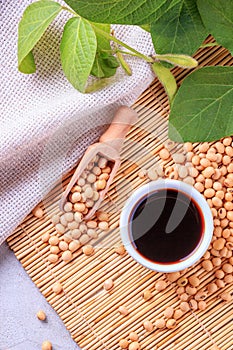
[108,284]
[147,295]
[133,336]
[38,212]
[57,288]
[148,325]
[123,310]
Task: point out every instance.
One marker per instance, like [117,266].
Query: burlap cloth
[45,124]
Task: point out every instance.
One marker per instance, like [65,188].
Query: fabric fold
[45,124]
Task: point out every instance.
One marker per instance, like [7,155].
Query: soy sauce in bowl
[166,226]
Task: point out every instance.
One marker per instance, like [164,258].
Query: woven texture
[45,123]
[91,313]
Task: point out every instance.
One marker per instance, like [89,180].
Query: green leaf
[112,61]
[217,16]
[166,78]
[123,63]
[202,109]
[167,65]
[117,11]
[78,49]
[178,28]
[98,84]
[183,61]
[102,42]
[105,63]
[146,27]
[27,65]
[36,19]
[104,67]
[97,70]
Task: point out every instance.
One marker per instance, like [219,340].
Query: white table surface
[19,302]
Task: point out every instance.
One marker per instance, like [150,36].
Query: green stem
[119,42]
[127,53]
[70,10]
[209,45]
[123,63]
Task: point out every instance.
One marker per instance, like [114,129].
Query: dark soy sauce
[166,226]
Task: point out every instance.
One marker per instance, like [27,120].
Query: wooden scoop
[109,146]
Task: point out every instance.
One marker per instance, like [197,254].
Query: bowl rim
[149,188]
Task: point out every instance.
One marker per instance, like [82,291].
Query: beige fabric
[45,124]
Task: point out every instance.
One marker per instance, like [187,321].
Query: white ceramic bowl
[148,189]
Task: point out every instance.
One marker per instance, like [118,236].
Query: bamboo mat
[88,311]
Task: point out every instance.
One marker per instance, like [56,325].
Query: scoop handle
[124,118]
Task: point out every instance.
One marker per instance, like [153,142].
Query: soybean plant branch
[113,38]
[121,43]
